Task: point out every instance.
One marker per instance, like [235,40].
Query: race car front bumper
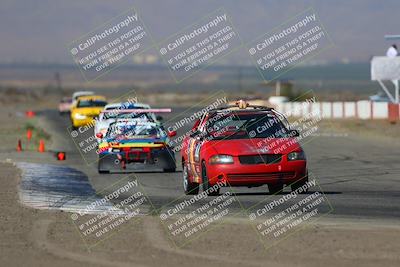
[82,122]
[159,159]
[255,175]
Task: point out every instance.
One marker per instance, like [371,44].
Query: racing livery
[117,111]
[242,145]
[135,145]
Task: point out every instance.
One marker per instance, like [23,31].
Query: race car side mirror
[99,135]
[159,118]
[171,133]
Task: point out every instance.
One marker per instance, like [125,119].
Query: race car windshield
[91,103]
[244,126]
[132,131]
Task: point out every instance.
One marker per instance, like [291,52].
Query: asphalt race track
[358,177]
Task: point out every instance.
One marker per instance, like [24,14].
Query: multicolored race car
[135,146]
[117,111]
[242,145]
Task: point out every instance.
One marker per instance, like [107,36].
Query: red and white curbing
[342,110]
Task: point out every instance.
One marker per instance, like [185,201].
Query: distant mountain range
[39,31]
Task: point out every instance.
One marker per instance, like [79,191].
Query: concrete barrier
[337,110]
[380,110]
[363,109]
[350,109]
[316,109]
[326,109]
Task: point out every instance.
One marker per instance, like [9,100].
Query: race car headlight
[79,116]
[221,159]
[296,156]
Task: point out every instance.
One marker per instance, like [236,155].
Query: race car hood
[89,111]
[253,146]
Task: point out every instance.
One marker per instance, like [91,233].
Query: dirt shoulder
[19,246]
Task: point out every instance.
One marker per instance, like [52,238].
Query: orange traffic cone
[29,134]
[41,146]
[19,146]
[30,114]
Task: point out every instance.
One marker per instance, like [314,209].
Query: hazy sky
[39,30]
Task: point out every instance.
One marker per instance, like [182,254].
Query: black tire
[169,157]
[275,188]
[206,184]
[100,167]
[296,185]
[189,187]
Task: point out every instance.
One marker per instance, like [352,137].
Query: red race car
[242,145]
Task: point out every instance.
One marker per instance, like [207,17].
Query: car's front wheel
[300,183]
[102,167]
[275,188]
[206,184]
[189,187]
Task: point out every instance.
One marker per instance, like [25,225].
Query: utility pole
[57,77]
[240,78]
[278,88]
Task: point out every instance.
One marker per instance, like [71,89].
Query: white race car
[77,94]
[128,112]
